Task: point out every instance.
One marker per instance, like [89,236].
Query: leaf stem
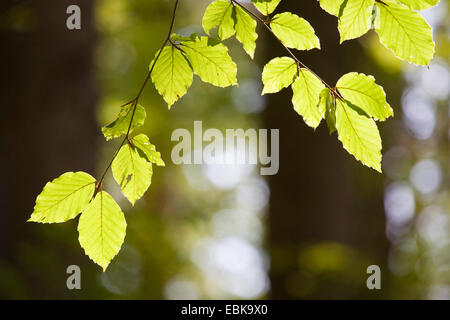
[135,101]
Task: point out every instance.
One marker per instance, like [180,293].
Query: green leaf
[324,98]
[294,32]
[356,19]
[178,38]
[307,89]
[333,7]
[231,19]
[219,14]
[279,73]
[362,91]
[359,135]
[121,124]
[405,32]
[132,172]
[142,143]
[172,75]
[246,31]
[266,7]
[327,107]
[210,61]
[101,229]
[419,4]
[63,198]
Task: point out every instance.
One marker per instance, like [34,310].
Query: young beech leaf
[101,229]
[359,135]
[172,75]
[405,32]
[362,91]
[356,19]
[327,107]
[142,143]
[178,38]
[294,32]
[246,31]
[334,7]
[63,198]
[121,124]
[219,14]
[306,98]
[266,7]
[419,4]
[210,60]
[324,97]
[279,73]
[132,172]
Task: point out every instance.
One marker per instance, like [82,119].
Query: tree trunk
[326,220]
[47,127]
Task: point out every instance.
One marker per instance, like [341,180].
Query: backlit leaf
[101,229]
[210,61]
[362,91]
[405,32]
[266,7]
[121,124]
[307,89]
[63,198]
[246,31]
[219,14]
[359,135]
[279,73]
[132,172]
[294,32]
[356,19]
[142,142]
[327,106]
[420,4]
[333,7]
[172,75]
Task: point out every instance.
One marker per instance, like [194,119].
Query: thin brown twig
[135,101]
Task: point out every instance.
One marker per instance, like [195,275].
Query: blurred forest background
[214,232]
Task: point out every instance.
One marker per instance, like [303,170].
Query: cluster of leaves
[102,224]
[399,26]
[351,107]
[204,56]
